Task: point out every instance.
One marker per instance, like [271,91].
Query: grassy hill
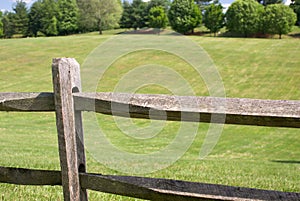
[258,157]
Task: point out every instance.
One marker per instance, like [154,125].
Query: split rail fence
[69,102]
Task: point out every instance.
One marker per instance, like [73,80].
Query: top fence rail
[242,111]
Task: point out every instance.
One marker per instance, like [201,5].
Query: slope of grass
[248,156]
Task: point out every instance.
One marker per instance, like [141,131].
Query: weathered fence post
[66,80]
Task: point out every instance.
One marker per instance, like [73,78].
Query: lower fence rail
[145,188]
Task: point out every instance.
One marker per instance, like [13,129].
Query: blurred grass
[247,156]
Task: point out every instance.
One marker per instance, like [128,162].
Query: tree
[20,18]
[164,3]
[157,17]
[1,25]
[243,17]
[202,4]
[139,14]
[125,21]
[49,24]
[8,26]
[99,14]
[184,16]
[35,16]
[214,17]
[68,17]
[295,5]
[87,21]
[280,19]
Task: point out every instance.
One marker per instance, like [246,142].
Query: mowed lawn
[248,156]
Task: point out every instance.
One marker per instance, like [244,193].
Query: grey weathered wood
[279,113]
[208,191]
[31,102]
[145,188]
[65,80]
[23,176]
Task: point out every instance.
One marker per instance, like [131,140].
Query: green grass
[249,156]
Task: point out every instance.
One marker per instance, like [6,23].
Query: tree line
[64,17]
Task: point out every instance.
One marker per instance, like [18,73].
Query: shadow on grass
[295,35]
[286,161]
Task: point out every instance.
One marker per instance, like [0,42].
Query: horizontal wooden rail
[274,113]
[27,102]
[278,113]
[145,188]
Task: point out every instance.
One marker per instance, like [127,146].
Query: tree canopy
[295,5]
[184,16]
[243,17]
[213,18]
[157,17]
[280,19]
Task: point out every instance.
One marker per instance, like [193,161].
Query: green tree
[164,3]
[139,14]
[243,17]
[8,25]
[214,17]
[68,17]
[157,17]
[35,16]
[20,18]
[280,19]
[99,14]
[1,25]
[202,4]
[295,5]
[184,16]
[125,21]
[87,21]
[49,24]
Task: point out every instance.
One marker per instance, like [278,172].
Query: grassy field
[247,156]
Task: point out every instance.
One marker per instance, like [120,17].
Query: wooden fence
[68,102]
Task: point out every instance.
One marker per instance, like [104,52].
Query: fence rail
[68,102]
[242,111]
[145,188]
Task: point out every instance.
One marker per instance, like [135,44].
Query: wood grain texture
[23,176]
[27,102]
[64,73]
[274,113]
[146,188]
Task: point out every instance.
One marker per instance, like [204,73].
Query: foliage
[1,25]
[139,14]
[280,19]
[213,18]
[125,21]
[20,18]
[164,3]
[99,14]
[202,4]
[243,17]
[68,17]
[295,5]
[157,17]
[184,16]
[49,23]
[8,25]
[35,16]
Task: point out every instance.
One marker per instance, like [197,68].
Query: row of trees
[60,17]
[63,17]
